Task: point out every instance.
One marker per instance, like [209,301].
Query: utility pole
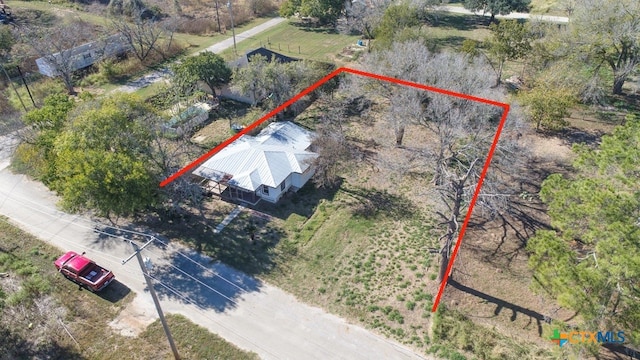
[27,86]
[233,29]
[153,293]
[14,88]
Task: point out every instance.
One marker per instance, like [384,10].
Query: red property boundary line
[333,74]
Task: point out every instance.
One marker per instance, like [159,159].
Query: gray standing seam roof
[267,159]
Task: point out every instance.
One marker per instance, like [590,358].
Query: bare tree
[330,143]
[460,132]
[142,35]
[362,17]
[60,50]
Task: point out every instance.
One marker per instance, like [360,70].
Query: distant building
[263,167]
[226,92]
[84,55]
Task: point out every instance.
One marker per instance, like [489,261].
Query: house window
[284,183]
[265,189]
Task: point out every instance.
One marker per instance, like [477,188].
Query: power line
[93,228]
[205,313]
[179,294]
[152,291]
[102,255]
[139,233]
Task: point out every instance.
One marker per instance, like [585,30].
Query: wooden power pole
[153,293]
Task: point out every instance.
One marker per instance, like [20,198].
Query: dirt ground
[491,281]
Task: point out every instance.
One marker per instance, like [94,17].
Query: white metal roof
[267,159]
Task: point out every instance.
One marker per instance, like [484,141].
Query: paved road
[162,74]
[247,312]
[516,15]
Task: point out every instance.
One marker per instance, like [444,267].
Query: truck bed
[94,274]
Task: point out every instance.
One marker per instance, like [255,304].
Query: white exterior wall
[276,193]
[225,92]
[298,180]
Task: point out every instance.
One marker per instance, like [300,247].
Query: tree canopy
[6,41]
[460,130]
[606,32]
[103,158]
[497,7]
[326,11]
[271,82]
[206,66]
[48,121]
[397,18]
[591,260]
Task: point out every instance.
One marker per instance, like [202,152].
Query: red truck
[81,270]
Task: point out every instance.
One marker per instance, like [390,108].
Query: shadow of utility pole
[618,349]
[500,304]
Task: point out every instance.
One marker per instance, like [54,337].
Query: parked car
[83,271]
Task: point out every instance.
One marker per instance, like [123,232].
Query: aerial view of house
[263,167]
[311,179]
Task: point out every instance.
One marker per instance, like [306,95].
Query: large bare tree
[58,49]
[141,34]
[460,132]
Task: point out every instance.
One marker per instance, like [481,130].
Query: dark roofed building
[270,55]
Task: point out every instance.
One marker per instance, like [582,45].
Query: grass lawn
[67,11]
[545,7]
[35,300]
[450,30]
[548,7]
[295,41]
[362,251]
[196,42]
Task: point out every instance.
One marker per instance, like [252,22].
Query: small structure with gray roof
[83,56]
[263,167]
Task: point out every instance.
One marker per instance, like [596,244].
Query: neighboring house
[262,167]
[225,91]
[84,55]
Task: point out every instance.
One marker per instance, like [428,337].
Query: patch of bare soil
[134,318]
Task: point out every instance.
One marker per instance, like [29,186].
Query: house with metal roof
[263,167]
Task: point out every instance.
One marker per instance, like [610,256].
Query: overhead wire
[104,255]
[94,228]
[60,217]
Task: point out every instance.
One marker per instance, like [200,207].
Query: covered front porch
[225,191]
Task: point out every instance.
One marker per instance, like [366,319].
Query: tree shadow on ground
[458,21]
[622,352]
[524,214]
[303,202]
[15,346]
[572,136]
[314,27]
[247,243]
[196,279]
[372,203]
[447,42]
[539,318]
[501,304]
